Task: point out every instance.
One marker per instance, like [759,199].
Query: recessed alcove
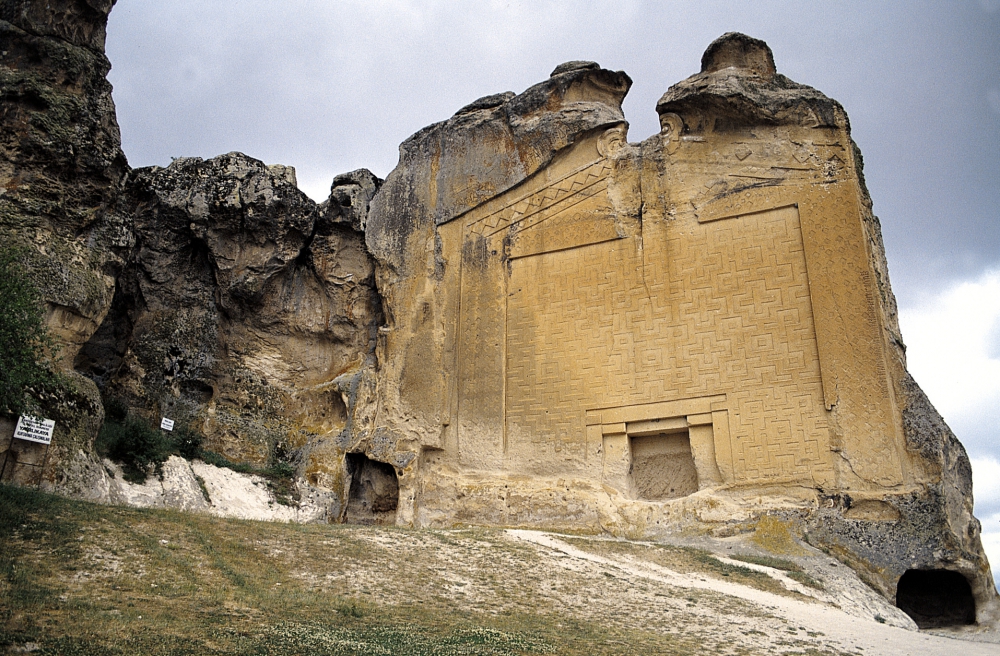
[662,466]
[936,598]
[374,491]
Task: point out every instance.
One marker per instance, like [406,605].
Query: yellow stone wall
[737,305]
[691,333]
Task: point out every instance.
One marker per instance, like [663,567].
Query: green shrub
[792,570]
[25,344]
[137,446]
[806,580]
[280,470]
[186,442]
[219,460]
[768,561]
[141,449]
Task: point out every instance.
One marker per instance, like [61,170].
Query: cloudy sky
[329,86]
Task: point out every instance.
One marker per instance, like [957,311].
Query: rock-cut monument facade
[691,331]
[531,322]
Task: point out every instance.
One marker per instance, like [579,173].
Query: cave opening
[374,491]
[936,598]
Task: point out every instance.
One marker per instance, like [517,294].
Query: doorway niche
[374,491]
[662,466]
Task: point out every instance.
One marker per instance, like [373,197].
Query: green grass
[792,570]
[768,561]
[806,580]
[686,560]
[80,578]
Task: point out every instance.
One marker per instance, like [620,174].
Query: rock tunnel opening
[662,466]
[374,491]
[936,598]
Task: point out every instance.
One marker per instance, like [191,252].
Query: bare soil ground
[77,578]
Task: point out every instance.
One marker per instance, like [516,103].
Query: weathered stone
[79,22]
[541,324]
[199,487]
[61,163]
[242,305]
[450,167]
[350,195]
[61,168]
[692,333]
[486,102]
[68,464]
[738,84]
[446,170]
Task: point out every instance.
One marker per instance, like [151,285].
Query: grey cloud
[330,87]
[993,344]
[993,99]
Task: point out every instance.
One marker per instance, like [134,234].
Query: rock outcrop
[245,309]
[694,333]
[532,322]
[61,172]
[62,164]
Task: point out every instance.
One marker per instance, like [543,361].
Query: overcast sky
[331,86]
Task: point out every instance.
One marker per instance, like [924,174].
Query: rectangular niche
[662,466]
[664,450]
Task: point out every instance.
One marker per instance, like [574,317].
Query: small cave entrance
[662,466]
[374,491]
[936,598]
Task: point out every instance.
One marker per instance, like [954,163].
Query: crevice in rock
[101,356]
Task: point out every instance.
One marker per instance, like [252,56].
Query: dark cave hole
[197,390]
[101,356]
[936,598]
[374,491]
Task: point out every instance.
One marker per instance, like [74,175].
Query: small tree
[24,342]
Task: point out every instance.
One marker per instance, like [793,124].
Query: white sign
[167,424]
[34,429]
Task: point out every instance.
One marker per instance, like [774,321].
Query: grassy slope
[79,578]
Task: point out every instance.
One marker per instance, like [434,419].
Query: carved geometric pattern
[720,308]
[849,335]
[525,206]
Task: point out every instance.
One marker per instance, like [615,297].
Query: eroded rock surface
[61,168]
[532,322]
[691,333]
[243,305]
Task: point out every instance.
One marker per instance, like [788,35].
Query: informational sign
[34,429]
[167,424]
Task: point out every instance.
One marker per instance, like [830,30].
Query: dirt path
[839,629]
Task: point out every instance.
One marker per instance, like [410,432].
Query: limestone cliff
[531,322]
[243,306]
[61,169]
